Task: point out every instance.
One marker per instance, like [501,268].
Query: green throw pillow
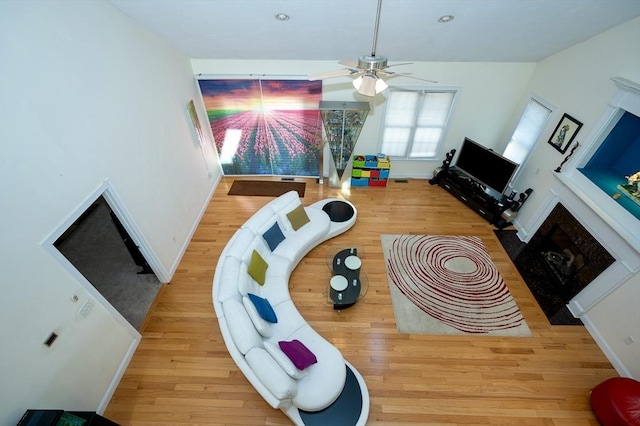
[257,268]
[298,217]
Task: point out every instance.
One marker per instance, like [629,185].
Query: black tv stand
[497,210]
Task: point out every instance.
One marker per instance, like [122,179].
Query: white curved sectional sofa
[252,341]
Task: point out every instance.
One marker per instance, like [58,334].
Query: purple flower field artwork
[265,126]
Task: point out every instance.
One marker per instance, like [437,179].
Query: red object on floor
[616,402]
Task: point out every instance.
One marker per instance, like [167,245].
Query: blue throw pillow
[273,236]
[263,307]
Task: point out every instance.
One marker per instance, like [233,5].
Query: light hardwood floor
[182,374]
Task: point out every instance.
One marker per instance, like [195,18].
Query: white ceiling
[483,30]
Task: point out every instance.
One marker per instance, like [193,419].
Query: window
[414,123]
[532,122]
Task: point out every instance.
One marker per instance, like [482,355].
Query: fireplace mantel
[627,258]
[626,98]
[620,221]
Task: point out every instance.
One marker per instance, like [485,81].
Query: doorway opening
[99,247]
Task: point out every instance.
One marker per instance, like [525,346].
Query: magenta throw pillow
[298,353]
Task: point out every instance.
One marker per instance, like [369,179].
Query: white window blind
[414,123]
[532,122]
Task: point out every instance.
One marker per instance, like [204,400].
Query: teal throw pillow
[264,308]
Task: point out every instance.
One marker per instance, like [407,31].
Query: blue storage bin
[359,181]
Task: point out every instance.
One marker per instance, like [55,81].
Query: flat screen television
[487,167]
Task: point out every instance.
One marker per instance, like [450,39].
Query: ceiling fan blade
[348,63]
[396,65]
[330,74]
[401,74]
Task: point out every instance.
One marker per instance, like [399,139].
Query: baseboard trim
[604,346]
[111,389]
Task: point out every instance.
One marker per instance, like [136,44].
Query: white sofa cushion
[289,321]
[276,285]
[292,246]
[325,379]
[242,331]
[258,244]
[261,221]
[318,227]
[283,360]
[230,279]
[285,203]
[239,243]
[271,374]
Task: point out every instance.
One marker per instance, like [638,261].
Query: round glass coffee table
[348,282]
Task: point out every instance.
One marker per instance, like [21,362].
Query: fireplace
[559,261]
[561,256]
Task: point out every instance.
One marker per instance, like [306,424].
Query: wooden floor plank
[182,374]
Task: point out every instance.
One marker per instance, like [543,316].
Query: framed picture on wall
[191,107]
[565,132]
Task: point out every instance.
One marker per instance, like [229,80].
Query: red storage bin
[377,182]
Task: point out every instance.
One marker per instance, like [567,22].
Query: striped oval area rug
[448,285]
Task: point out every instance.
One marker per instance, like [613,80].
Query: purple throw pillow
[298,353]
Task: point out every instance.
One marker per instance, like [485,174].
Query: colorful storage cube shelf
[370,170]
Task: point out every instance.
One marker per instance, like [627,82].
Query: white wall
[615,318]
[86,95]
[489,93]
[578,82]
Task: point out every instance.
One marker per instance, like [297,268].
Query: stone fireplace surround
[545,266]
[627,257]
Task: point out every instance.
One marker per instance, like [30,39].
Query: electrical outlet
[52,338]
[85,309]
[628,340]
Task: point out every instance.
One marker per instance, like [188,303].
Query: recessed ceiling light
[445,18]
[282,17]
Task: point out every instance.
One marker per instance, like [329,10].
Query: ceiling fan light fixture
[369,85]
[369,71]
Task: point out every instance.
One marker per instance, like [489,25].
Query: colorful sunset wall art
[265,126]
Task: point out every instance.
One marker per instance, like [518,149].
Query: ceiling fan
[368,71]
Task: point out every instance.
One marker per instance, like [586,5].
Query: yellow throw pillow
[298,217]
[257,268]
